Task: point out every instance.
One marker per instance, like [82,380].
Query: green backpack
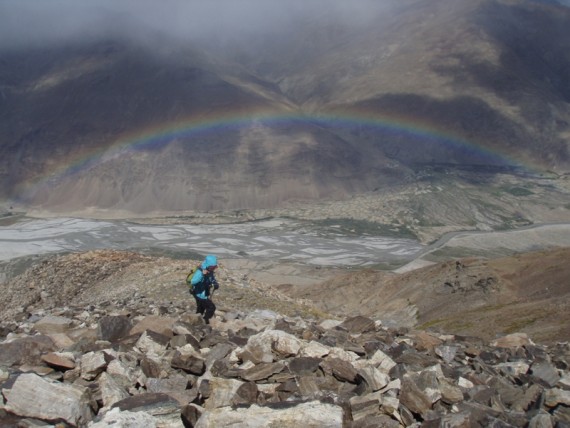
[189,279]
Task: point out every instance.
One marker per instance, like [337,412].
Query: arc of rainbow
[195,127]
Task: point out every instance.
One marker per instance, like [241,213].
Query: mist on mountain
[42,23]
[301,100]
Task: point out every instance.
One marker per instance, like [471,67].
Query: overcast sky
[39,22]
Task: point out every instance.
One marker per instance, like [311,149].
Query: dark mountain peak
[405,84]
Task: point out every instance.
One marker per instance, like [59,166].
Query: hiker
[201,284]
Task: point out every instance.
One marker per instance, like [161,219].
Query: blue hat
[209,261]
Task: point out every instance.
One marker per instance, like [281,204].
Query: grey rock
[561,415]
[189,363]
[285,415]
[447,353]
[261,371]
[413,397]
[150,367]
[190,414]
[58,362]
[218,352]
[158,324]
[304,365]
[542,420]
[533,398]
[450,393]
[27,350]
[176,383]
[363,406]
[246,394]
[459,420]
[111,390]
[53,324]
[113,328]
[152,344]
[308,387]
[340,369]
[222,392]
[117,418]
[264,347]
[34,397]
[165,409]
[546,372]
[556,396]
[374,378]
[92,364]
[428,383]
[376,421]
[358,324]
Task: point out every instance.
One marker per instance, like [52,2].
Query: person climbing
[200,287]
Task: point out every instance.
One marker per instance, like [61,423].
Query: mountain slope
[74,107]
[494,73]
[527,292]
[326,109]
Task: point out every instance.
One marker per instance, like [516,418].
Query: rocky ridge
[94,350]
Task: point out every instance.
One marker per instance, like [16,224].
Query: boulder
[58,362]
[117,418]
[92,364]
[164,409]
[514,340]
[53,324]
[284,415]
[113,328]
[222,392]
[358,324]
[26,350]
[190,363]
[158,324]
[268,345]
[34,397]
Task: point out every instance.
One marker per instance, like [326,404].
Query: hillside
[330,106]
[107,338]
[484,297]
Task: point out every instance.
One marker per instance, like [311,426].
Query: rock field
[116,343]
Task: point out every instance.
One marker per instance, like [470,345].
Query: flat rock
[286,415]
[58,362]
[34,397]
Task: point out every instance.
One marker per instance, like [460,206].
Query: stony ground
[474,296]
[96,277]
[106,338]
[524,293]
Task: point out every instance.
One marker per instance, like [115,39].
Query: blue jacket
[203,282]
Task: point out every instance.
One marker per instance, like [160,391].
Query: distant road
[496,243]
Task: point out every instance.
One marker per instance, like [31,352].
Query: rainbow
[200,126]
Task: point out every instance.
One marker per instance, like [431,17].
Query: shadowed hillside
[327,108]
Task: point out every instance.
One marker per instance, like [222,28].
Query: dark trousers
[206,308]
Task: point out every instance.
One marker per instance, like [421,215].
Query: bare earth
[473,296]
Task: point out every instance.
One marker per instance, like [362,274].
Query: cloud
[25,23]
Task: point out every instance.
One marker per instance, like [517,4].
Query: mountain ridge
[464,75]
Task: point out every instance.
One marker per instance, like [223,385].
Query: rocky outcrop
[132,363]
